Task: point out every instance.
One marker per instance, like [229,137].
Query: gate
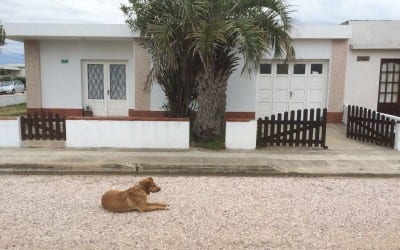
[370,126]
[43,127]
[301,128]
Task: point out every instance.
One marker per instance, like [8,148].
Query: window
[316,69]
[282,69]
[299,69]
[389,81]
[265,68]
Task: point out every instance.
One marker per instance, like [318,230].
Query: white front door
[291,86]
[105,88]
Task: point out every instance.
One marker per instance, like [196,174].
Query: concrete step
[43,144]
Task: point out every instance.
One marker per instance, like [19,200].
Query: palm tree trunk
[210,117]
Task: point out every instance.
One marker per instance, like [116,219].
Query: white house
[12,70]
[71,66]
[373,66]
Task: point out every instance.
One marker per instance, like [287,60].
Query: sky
[107,11]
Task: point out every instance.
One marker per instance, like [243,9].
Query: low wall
[241,134]
[6,100]
[128,133]
[10,132]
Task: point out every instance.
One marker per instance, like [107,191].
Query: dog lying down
[134,198]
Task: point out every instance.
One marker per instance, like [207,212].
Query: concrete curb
[174,170]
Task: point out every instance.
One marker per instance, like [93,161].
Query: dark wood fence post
[318,123]
[272,134]
[293,129]
[298,127]
[323,132]
[311,128]
[64,132]
[279,129]
[23,127]
[304,132]
[285,128]
[292,121]
[369,126]
[259,124]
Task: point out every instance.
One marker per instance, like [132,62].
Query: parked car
[12,87]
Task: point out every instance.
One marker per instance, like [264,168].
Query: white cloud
[74,11]
[107,11]
[338,11]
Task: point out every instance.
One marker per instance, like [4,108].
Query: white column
[397,137]
[241,135]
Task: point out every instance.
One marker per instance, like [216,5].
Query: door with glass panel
[105,88]
[389,89]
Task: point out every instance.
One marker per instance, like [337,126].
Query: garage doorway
[291,86]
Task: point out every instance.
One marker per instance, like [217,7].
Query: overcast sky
[107,11]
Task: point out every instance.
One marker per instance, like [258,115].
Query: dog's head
[149,186]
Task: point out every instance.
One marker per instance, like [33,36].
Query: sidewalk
[343,158]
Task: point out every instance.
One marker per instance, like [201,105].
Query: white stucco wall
[362,78]
[62,82]
[378,40]
[128,134]
[10,135]
[241,91]
[157,98]
[383,34]
[241,135]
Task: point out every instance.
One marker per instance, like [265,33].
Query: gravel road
[64,212]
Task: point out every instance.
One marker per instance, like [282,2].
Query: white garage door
[283,87]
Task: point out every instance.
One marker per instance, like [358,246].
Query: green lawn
[13,110]
[214,144]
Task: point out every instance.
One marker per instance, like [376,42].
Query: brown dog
[135,198]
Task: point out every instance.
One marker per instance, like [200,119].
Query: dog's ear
[146,184]
[150,179]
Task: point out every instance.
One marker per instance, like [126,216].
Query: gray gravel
[64,212]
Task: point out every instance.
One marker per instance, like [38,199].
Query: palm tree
[174,62]
[211,35]
[2,34]
[226,31]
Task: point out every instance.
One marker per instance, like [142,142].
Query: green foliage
[215,143]
[196,45]
[2,34]
[13,110]
[21,78]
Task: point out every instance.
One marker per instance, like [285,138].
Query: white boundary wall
[241,135]
[128,134]
[10,135]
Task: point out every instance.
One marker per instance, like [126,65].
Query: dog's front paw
[166,207]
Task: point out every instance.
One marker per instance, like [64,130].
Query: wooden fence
[369,126]
[301,128]
[43,127]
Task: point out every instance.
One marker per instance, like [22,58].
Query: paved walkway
[343,158]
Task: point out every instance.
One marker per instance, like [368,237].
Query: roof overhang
[373,47]
[321,32]
[10,68]
[23,31]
